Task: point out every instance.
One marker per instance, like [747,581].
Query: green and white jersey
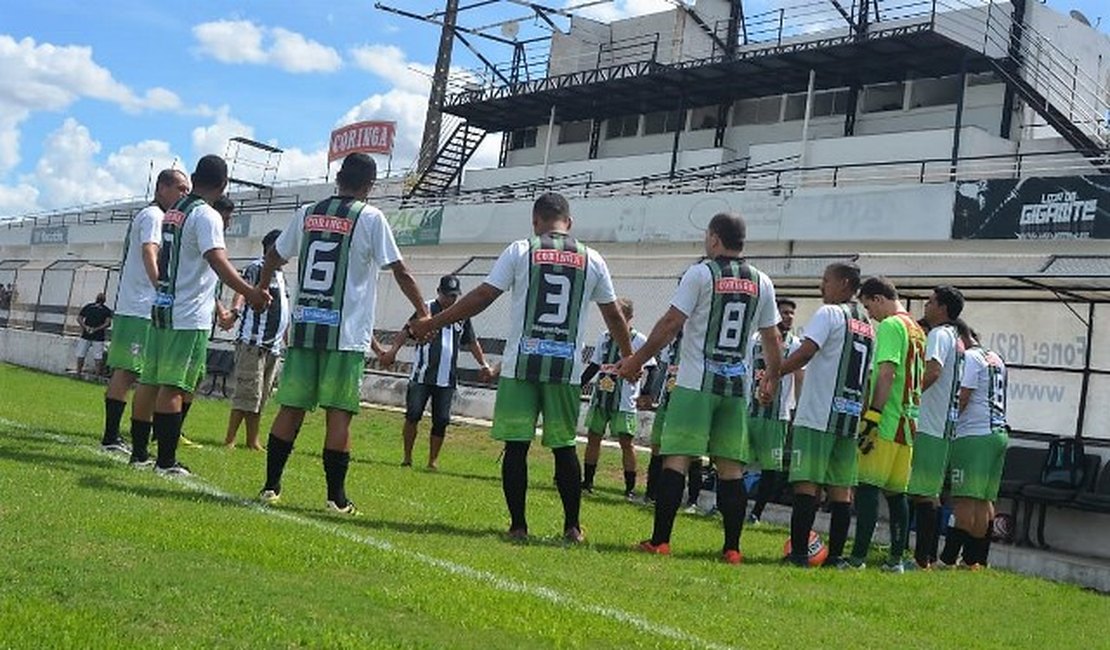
[783,404]
[985,375]
[135,295]
[186,295]
[611,392]
[669,358]
[341,244]
[836,376]
[724,301]
[939,402]
[552,278]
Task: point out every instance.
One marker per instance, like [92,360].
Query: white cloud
[391,64]
[242,41]
[213,138]
[400,106]
[619,9]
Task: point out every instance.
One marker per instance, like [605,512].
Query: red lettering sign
[559,258]
[861,327]
[736,285]
[174,217]
[362,137]
[325,223]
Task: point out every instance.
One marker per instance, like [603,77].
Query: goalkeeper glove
[869,430]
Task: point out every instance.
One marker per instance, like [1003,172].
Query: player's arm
[661,335]
[150,262]
[799,358]
[884,381]
[225,270]
[473,303]
[478,354]
[589,373]
[403,277]
[799,377]
[618,327]
[270,264]
[772,354]
[376,347]
[932,374]
[965,397]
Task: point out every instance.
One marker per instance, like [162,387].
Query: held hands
[387,359]
[767,387]
[259,299]
[485,375]
[227,320]
[419,328]
[628,369]
[868,430]
[644,403]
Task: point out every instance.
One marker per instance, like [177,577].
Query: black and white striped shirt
[265,329]
[437,360]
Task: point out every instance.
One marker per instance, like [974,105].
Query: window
[883,97]
[623,127]
[765,110]
[935,92]
[522,138]
[664,122]
[571,132]
[704,118]
[825,103]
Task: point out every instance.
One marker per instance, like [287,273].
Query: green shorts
[767,438]
[930,460]
[619,423]
[657,425]
[328,378]
[520,403]
[174,358]
[886,466]
[128,343]
[823,458]
[976,465]
[700,423]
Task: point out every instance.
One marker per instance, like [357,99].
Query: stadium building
[959,142]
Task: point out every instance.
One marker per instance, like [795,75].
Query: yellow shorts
[887,466]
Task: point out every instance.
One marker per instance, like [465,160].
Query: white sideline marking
[497,581]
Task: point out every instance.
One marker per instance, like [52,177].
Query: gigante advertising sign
[1068,207]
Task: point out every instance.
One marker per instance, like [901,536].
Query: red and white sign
[327,223]
[861,328]
[362,137]
[737,285]
[558,258]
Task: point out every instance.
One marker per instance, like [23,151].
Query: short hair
[169,176]
[357,171]
[786,301]
[846,271]
[962,328]
[951,299]
[878,285]
[223,204]
[730,228]
[211,173]
[551,206]
[270,237]
[625,305]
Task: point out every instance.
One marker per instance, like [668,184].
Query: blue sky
[91,92]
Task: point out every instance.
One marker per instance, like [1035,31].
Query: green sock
[867,513]
[899,506]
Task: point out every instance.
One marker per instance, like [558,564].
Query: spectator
[95,318]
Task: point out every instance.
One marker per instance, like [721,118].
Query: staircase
[448,162]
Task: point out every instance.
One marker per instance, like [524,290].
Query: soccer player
[258,347]
[95,319]
[977,455]
[836,353]
[669,360]
[718,303]
[552,277]
[889,421]
[138,279]
[944,360]
[434,374]
[612,405]
[341,243]
[767,423]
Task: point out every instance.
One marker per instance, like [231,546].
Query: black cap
[449,285]
[270,238]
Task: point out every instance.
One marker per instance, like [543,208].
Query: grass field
[96,554]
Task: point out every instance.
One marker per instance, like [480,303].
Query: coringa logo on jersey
[558,258]
[861,328]
[736,285]
[325,223]
[174,218]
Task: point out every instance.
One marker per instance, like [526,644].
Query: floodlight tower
[429,143]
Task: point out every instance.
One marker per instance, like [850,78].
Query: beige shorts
[86,347]
[254,377]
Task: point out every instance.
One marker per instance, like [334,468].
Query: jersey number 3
[556,292]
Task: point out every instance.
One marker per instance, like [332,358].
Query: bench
[1043,496]
[1022,467]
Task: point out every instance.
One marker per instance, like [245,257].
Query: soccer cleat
[177,469]
[753,520]
[974,567]
[630,497]
[185,442]
[115,446]
[573,535]
[346,509]
[647,501]
[269,496]
[892,567]
[655,549]
[732,557]
[851,564]
[692,509]
[587,488]
[141,463]
[518,535]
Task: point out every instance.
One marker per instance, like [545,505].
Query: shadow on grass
[182,493]
[56,461]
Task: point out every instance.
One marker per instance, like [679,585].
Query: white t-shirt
[985,375]
[135,293]
[372,248]
[818,401]
[938,402]
[694,297]
[511,272]
[194,297]
[786,397]
[607,381]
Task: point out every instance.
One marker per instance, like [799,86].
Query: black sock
[185,406]
[867,515]
[654,467]
[801,522]
[899,508]
[838,527]
[335,473]
[954,540]
[140,440]
[277,453]
[570,490]
[768,481]
[925,548]
[732,501]
[985,549]
[113,413]
[588,478]
[694,481]
[514,482]
[666,506]
[629,481]
[167,431]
